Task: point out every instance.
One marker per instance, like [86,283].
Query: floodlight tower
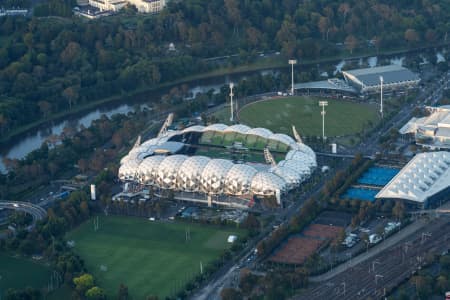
[231,98]
[381,96]
[292,62]
[323,104]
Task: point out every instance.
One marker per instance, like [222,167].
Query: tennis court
[360,194]
[379,176]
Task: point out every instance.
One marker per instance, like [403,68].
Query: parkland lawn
[151,258]
[279,114]
[19,273]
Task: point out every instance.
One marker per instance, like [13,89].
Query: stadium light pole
[292,62]
[381,96]
[231,99]
[323,104]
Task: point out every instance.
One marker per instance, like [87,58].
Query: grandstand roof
[390,73]
[168,147]
[330,84]
[425,175]
[216,176]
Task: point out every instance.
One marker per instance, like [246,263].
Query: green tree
[83,283]
[95,293]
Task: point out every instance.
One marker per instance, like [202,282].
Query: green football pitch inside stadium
[150,257]
[279,114]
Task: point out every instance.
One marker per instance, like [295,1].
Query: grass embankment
[151,258]
[279,114]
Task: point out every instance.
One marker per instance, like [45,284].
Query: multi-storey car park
[236,164]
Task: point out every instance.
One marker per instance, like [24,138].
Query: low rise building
[367,80]
[432,131]
[143,6]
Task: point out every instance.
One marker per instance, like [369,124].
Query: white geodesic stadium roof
[196,128]
[265,184]
[239,128]
[263,132]
[216,127]
[306,157]
[299,166]
[190,173]
[217,176]
[148,169]
[283,138]
[239,179]
[167,175]
[291,176]
[194,165]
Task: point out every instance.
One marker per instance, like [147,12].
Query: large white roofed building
[368,80]
[423,182]
[159,162]
[143,6]
[432,131]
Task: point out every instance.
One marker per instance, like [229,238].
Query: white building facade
[143,6]
[215,176]
[432,131]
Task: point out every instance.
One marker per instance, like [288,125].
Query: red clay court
[296,250]
[326,232]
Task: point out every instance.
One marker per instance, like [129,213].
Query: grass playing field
[151,258]
[19,273]
[278,115]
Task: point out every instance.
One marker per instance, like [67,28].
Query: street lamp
[231,98]
[381,96]
[292,62]
[323,104]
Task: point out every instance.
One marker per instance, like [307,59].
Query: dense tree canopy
[49,65]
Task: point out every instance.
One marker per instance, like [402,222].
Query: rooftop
[330,84]
[390,73]
[425,175]
[438,119]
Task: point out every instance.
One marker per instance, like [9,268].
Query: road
[368,149]
[37,212]
[229,271]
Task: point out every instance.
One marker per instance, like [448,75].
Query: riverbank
[273,62]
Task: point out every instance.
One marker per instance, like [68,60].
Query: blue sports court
[379,176]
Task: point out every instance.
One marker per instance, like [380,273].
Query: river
[20,147]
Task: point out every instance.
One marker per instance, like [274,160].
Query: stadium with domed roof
[219,164]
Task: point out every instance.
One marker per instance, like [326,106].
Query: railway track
[377,276]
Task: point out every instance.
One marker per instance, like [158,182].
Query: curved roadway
[37,212]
